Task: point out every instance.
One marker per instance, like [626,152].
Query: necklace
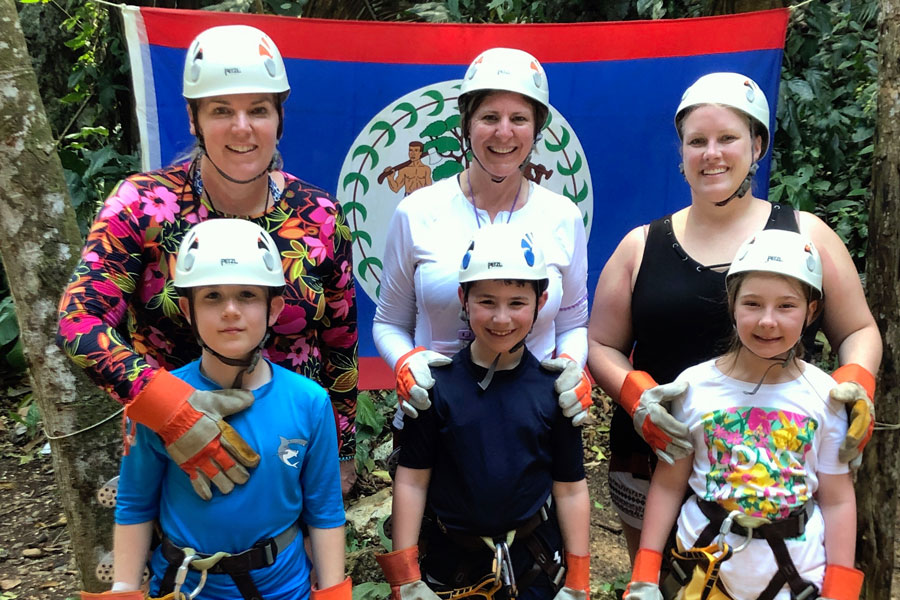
[272,192]
[475,208]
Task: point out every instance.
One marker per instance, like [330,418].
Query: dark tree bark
[39,244]
[876,484]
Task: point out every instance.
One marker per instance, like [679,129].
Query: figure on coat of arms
[412,174]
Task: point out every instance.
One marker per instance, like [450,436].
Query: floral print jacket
[119,316]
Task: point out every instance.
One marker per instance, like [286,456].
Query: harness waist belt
[261,555]
[789,527]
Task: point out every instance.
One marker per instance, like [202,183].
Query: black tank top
[679,315]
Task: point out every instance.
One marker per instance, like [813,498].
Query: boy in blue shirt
[494,468]
[230,278]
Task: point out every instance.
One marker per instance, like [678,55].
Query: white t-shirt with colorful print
[760,454]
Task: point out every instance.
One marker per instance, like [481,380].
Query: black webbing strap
[774,533]
[237,566]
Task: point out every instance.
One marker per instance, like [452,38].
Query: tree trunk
[39,244]
[876,484]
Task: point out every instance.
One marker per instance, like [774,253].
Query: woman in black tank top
[659,306]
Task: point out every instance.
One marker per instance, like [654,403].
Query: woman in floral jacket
[119,316]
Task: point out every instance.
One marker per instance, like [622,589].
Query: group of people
[238,459]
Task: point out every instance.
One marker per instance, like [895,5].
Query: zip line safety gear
[233,59]
[339,591]
[728,89]
[841,583]
[228,252]
[642,398]
[413,373]
[578,578]
[644,584]
[192,425]
[572,387]
[401,570]
[500,251]
[134,595]
[856,389]
[782,252]
[508,70]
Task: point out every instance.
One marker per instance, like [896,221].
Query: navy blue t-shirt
[494,454]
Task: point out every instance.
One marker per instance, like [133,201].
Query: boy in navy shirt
[491,479]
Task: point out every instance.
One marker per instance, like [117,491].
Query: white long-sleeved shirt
[418,304]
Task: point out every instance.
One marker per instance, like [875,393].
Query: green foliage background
[822,145]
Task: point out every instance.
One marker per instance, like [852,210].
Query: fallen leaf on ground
[8,584]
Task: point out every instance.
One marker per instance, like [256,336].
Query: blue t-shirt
[494,453]
[291,426]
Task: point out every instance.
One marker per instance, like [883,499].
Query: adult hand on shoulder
[572,386]
[642,397]
[644,583]
[855,389]
[413,371]
[192,425]
[401,569]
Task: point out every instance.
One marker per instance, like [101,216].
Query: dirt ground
[36,562]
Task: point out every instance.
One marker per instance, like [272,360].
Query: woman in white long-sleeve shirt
[504,103]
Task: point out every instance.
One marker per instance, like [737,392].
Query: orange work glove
[413,372]
[401,569]
[192,425]
[644,583]
[572,386]
[340,591]
[578,579]
[643,398]
[135,595]
[841,583]
[856,389]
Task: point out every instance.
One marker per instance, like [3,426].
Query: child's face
[770,313]
[231,319]
[501,313]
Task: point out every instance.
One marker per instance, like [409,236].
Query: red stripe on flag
[425,43]
[375,374]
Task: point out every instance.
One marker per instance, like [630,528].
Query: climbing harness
[697,569]
[237,566]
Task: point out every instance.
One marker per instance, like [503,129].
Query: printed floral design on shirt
[757,459]
[119,315]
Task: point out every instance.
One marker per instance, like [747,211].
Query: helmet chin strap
[743,188]
[249,364]
[229,177]
[495,178]
[783,362]
[489,376]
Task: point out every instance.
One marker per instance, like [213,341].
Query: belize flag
[365,94]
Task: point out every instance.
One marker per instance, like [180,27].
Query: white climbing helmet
[502,251]
[783,252]
[228,252]
[728,89]
[233,59]
[510,70]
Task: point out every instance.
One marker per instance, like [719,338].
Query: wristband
[857,373]
[635,384]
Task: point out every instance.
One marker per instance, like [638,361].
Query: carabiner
[725,529]
[181,576]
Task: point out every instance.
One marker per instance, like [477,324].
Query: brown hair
[469,103]
[733,286]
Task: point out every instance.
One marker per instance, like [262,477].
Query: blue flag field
[362,91]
